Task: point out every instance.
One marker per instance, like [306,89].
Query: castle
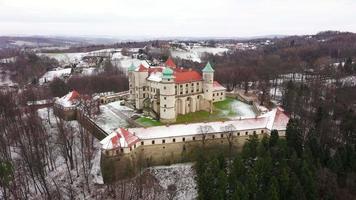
[167,91]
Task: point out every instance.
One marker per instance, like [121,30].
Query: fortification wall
[125,165]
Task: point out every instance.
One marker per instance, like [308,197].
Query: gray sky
[166,18]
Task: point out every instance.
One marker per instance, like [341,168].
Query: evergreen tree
[222,185]
[294,136]
[273,138]
[240,193]
[273,193]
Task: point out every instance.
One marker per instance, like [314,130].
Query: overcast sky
[167,18]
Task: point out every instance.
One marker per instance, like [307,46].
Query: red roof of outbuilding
[142,68]
[129,137]
[170,63]
[74,96]
[186,76]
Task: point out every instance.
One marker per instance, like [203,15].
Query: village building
[167,91]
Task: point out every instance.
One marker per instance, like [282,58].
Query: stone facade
[168,91]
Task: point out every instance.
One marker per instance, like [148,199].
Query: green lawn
[145,121]
[199,116]
[221,112]
[223,108]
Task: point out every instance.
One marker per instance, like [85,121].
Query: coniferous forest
[279,168]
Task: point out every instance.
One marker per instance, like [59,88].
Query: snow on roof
[197,128]
[69,100]
[155,76]
[119,138]
[218,86]
[275,119]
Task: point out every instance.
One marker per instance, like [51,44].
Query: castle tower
[208,80]
[131,71]
[140,76]
[167,97]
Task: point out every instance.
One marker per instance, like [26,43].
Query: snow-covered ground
[115,54]
[5,80]
[180,176]
[195,53]
[242,110]
[50,75]
[60,174]
[110,121]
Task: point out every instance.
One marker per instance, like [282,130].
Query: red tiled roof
[218,86]
[115,140]
[280,120]
[186,76]
[170,63]
[142,68]
[129,137]
[74,96]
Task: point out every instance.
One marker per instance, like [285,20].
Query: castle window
[183,139]
[181,92]
[174,140]
[142,143]
[164,87]
[134,146]
[186,85]
[213,136]
[197,83]
[222,135]
[181,85]
[193,138]
[238,133]
[122,150]
[254,132]
[164,110]
[262,131]
[165,98]
[246,133]
[186,92]
[163,147]
[221,93]
[130,149]
[144,95]
[207,90]
[192,91]
[169,79]
[198,97]
[163,141]
[192,84]
[165,105]
[153,142]
[214,95]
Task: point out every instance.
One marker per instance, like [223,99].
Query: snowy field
[195,53]
[50,75]
[116,57]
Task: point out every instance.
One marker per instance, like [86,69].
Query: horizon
[176,19]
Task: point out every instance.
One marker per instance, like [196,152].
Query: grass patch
[145,121]
[199,116]
[224,108]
